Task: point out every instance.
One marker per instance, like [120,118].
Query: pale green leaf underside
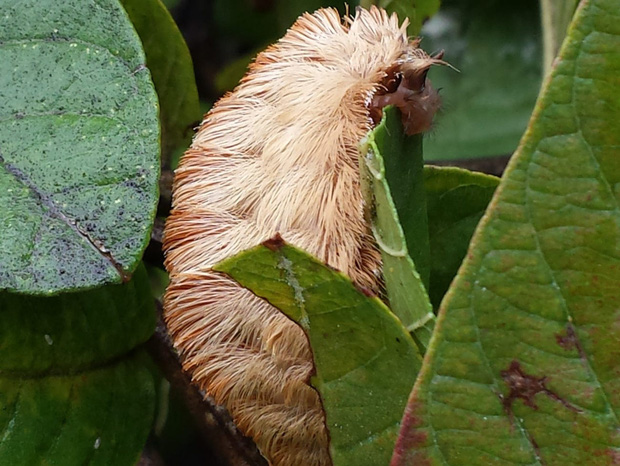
[535,304]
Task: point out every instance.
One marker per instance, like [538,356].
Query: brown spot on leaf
[526,387]
[274,244]
[570,340]
[614,455]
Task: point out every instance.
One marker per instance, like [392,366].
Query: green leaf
[71,391]
[418,12]
[365,360]
[496,46]
[74,331]
[100,417]
[170,63]
[78,146]
[523,366]
[456,199]
[385,149]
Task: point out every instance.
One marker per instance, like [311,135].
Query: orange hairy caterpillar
[280,155]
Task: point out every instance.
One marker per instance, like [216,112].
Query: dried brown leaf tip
[274,244]
[279,155]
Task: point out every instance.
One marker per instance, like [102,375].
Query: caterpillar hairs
[280,155]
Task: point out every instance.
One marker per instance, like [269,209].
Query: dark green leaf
[69,393]
[171,67]
[74,331]
[523,367]
[456,200]
[365,360]
[78,146]
[99,417]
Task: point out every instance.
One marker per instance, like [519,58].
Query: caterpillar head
[379,50]
[407,87]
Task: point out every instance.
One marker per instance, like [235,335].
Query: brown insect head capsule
[279,155]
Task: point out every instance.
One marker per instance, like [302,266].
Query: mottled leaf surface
[365,360]
[170,64]
[523,367]
[79,145]
[456,199]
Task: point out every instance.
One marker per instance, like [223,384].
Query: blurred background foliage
[495,45]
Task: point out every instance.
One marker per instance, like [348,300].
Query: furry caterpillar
[280,155]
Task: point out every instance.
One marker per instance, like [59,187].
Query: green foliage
[78,146]
[170,64]
[523,360]
[418,12]
[79,166]
[525,351]
[456,200]
[357,344]
[496,47]
[99,417]
[74,331]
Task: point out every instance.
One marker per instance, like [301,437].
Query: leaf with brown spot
[523,366]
